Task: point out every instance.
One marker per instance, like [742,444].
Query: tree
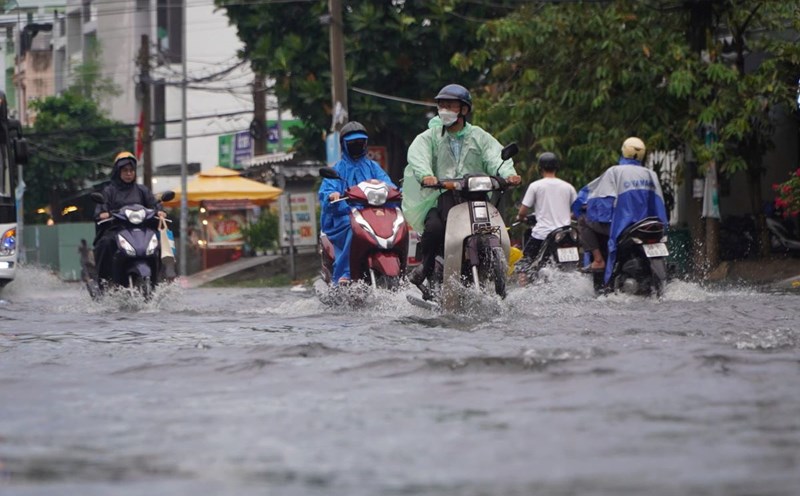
[73,142]
[73,145]
[577,78]
[740,103]
[398,48]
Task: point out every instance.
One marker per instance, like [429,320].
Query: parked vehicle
[476,243]
[780,239]
[13,154]
[561,249]
[137,261]
[379,250]
[640,265]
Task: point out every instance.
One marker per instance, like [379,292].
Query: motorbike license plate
[567,254]
[655,250]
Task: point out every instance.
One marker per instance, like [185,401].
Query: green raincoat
[430,154]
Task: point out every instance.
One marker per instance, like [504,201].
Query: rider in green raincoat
[450,148]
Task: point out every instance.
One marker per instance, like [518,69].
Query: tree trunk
[712,242]
[756,200]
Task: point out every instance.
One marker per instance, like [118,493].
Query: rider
[353,168]
[450,148]
[550,198]
[623,195]
[122,190]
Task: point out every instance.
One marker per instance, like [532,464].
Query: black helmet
[455,92]
[548,161]
[354,139]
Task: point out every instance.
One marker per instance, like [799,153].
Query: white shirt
[550,199]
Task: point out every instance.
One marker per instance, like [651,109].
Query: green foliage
[396,48]
[262,234]
[73,144]
[577,78]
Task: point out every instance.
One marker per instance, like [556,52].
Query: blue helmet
[455,92]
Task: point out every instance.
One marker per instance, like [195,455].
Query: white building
[219,90]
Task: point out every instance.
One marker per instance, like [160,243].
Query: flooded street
[221,391]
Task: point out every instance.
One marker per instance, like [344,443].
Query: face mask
[356,148]
[448,117]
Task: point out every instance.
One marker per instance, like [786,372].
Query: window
[169,22]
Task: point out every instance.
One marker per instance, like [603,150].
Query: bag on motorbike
[167,242]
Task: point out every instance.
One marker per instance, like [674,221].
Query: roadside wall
[56,247]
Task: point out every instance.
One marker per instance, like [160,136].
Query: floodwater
[264,391]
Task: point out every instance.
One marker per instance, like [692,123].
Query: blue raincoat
[335,218]
[624,194]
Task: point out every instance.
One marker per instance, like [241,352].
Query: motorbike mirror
[509,151]
[329,173]
[97,197]
[167,196]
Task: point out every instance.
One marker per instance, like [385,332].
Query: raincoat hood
[116,178]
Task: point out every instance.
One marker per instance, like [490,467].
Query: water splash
[34,281]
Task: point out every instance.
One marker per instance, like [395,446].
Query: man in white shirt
[551,199]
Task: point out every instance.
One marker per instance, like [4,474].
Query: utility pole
[184,228]
[260,113]
[144,88]
[704,232]
[339,84]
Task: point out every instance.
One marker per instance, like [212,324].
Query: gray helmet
[455,92]
[354,139]
[352,127]
[548,161]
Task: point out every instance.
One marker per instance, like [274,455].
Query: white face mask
[448,117]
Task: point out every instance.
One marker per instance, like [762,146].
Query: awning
[220,183]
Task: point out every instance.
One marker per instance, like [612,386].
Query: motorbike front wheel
[143,285]
[391,283]
[499,271]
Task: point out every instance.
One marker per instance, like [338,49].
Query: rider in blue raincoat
[623,195]
[353,168]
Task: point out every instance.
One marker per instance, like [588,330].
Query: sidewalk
[243,264]
[205,276]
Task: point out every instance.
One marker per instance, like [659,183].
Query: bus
[13,153]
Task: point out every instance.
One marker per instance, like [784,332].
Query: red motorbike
[379,250]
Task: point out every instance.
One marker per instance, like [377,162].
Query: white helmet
[633,148]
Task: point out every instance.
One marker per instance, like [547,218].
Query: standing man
[551,199]
[450,148]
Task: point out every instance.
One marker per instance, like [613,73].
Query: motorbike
[476,241]
[561,248]
[780,239]
[137,260]
[640,267]
[379,249]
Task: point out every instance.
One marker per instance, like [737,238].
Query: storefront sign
[299,221]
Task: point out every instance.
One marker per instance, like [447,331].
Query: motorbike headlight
[126,247]
[480,183]
[135,216]
[377,197]
[8,243]
[152,245]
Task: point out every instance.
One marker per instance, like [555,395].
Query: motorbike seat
[648,228]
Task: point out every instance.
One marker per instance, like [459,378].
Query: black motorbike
[561,249]
[640,266]
[137,260]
